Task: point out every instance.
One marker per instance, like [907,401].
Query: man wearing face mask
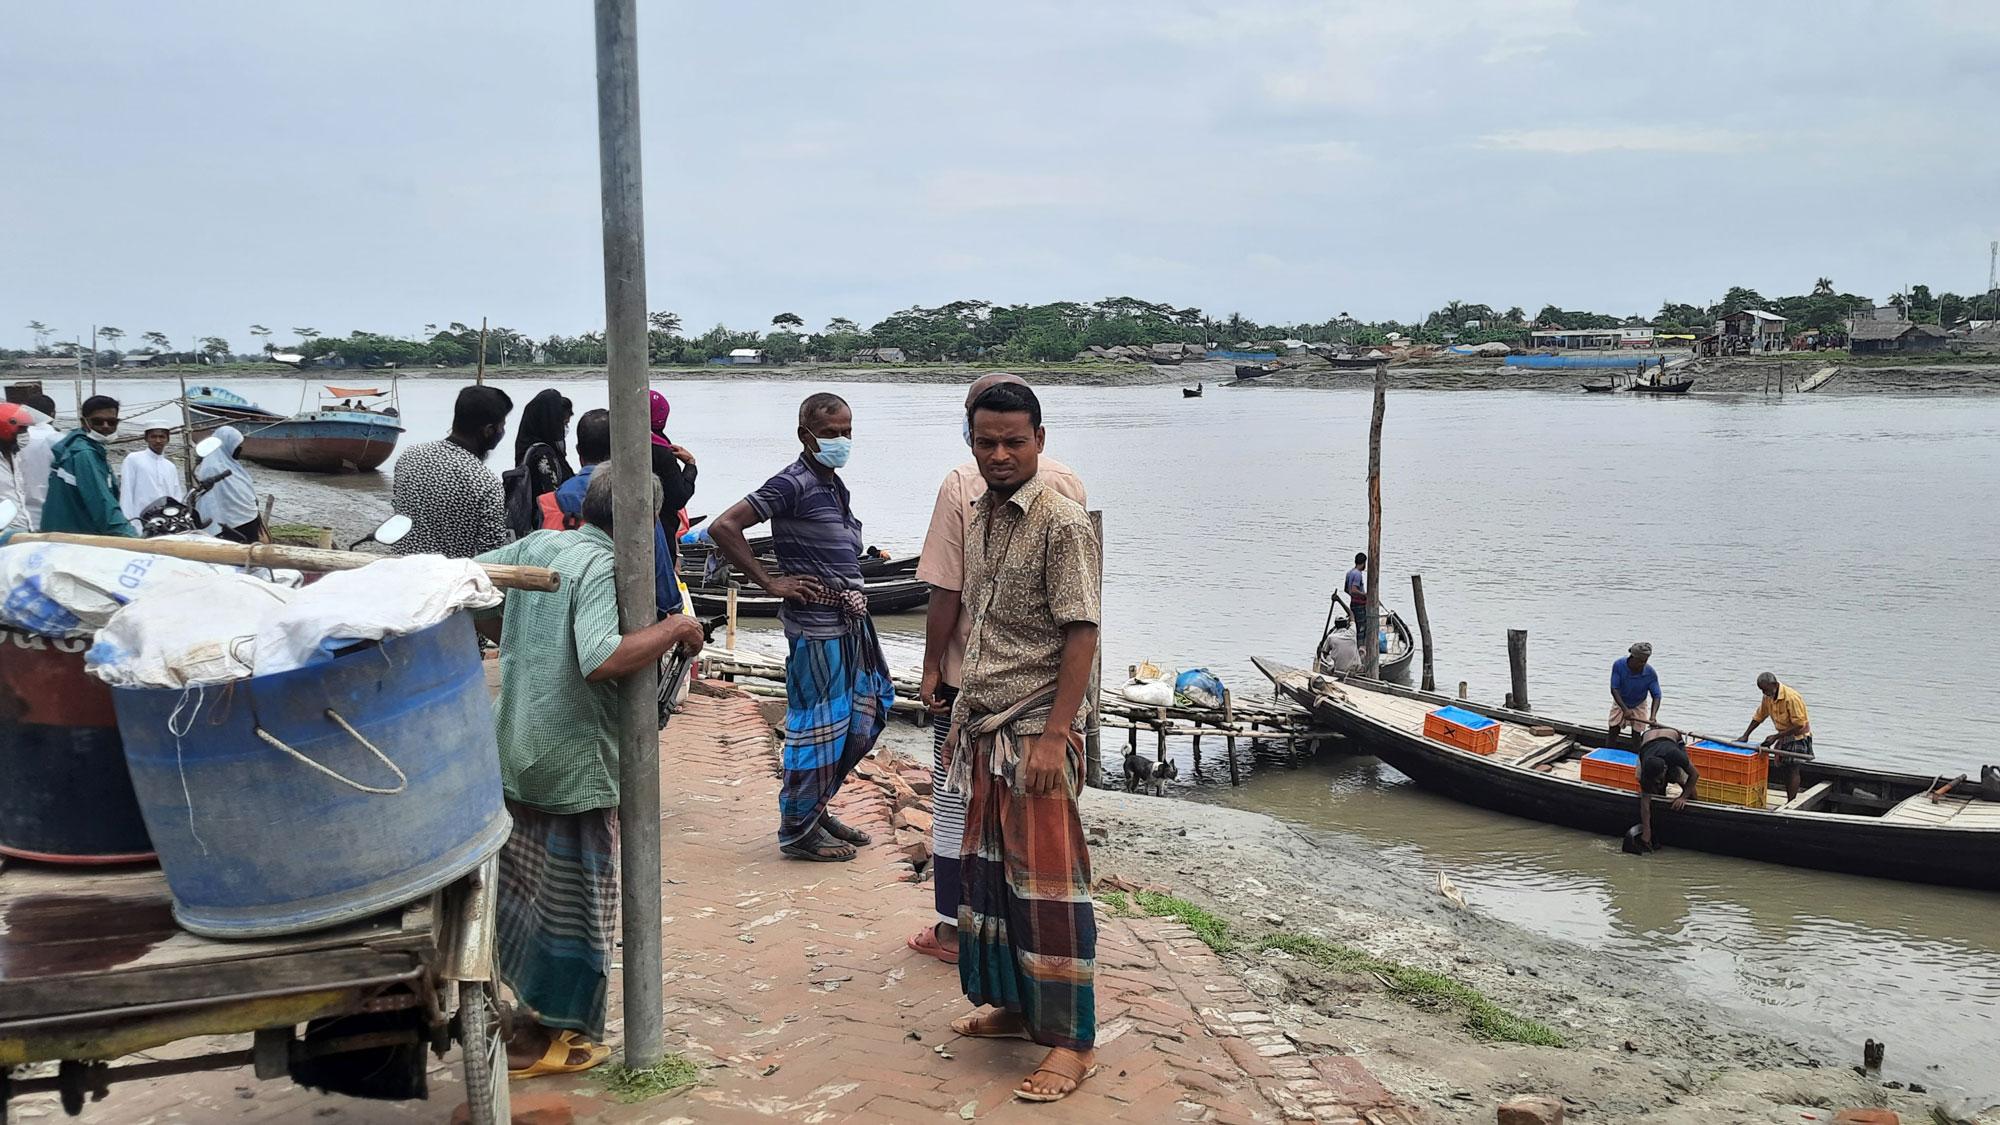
[83,495]
[837,686]
[946,629]
[455,503]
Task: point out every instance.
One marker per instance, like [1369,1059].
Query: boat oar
[271,556]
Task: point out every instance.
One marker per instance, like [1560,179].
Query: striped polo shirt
[814,532]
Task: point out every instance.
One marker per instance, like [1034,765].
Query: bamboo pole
[1093,722]
[479,377]
[187,429]
[1423,627]
[730,634]
[1371,649]
[275,556]
[633,515]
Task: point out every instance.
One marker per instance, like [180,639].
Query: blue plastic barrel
[311,827]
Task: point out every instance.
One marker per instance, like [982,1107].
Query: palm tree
[664,321]
[1823,287]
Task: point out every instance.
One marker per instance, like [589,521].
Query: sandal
[820,848]
[925,941]
[834,828]
[555,1060]
[987,1025]
[1068,1067]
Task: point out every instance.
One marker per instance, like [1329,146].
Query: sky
[198,167]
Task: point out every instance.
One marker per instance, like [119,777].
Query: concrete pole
[632,515]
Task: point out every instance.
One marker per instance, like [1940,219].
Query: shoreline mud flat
[1636,1046]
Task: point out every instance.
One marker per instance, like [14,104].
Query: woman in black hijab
[544,424]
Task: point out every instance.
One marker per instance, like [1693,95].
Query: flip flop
[820,848]
[833,827]
[555,1060]
[925,941]
[1076,1078]
[970,1027]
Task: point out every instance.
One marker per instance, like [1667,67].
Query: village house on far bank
[1763,331]
[1871,337]
[879,355]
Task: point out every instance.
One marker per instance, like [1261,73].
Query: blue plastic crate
[1724,748]
[1470,720]
[1613,757]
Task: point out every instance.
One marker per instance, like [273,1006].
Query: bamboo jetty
[1275,723]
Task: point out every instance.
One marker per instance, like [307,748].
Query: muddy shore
[1638,1049]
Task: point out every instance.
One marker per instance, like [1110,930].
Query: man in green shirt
[560,655]
[82,493]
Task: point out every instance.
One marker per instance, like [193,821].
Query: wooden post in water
[622,205]
[729,634]
[480,377]
[1461,689]
[187,431]
[1229,724]
[1093,722]
[1371,648]
[1517,666]
[1423,627]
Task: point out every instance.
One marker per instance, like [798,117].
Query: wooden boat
[885,596]
[1395,660]
[1678,387]
[1191,392]
[695,561]
[1251,371]
[1600,388]
[1846,819]
[1357,362]
[344,432]
[1818,379]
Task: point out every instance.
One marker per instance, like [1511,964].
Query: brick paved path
[789,982]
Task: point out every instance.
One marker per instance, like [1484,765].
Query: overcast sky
[195,167]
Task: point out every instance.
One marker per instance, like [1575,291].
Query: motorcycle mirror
[392,530]
[8,510]
[206,446]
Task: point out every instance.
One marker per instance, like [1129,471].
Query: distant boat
[885,595]
[1191,392]
[1600,388]
[1251,371]
[1679,387]
[343,433]
[1357,362]
[1818,379]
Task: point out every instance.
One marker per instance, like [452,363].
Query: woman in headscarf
[231,505]
[675,467]
[545,423]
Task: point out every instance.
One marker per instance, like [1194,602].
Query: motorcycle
[177,516]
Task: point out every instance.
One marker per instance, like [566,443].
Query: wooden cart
[93,969]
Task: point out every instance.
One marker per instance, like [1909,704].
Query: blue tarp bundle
[1548,361]
[1242,357]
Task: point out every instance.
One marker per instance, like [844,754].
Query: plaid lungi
[1027,933]
[557,914]
[837,697]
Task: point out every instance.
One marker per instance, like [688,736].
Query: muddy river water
[1846,542]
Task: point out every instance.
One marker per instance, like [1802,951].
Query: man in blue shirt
[1364,613]
[1633,681]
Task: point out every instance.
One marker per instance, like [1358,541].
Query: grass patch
[664,1077]
[1426,989]
[295,534]
[1116,902]
[1213,931]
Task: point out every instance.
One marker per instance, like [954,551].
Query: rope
[402,779]
[177,728]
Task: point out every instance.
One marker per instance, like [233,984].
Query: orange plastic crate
[1725,793]
[1616,768]
[1467,730]
[1716,761]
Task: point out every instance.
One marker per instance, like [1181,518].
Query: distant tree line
[1054,332]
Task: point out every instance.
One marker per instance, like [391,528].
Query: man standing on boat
[1633,681]
[455,503]
[1793,737]
[1663,757]
[837,686]
[83,495]
[947,624]
[1027,934]
[1364,610]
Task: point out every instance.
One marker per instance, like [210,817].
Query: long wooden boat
[1251,371]
[1846,819]
[1395,660]
[694,561]
[337,436]
[1678,387]
[1600,388]
[1356,362]
[891,595]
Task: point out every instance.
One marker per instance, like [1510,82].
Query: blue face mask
[833,451]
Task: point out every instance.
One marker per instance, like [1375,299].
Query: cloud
[1322,152]
[964,190]
[1263,261]
[1579,141]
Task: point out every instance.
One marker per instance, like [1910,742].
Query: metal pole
[633,514]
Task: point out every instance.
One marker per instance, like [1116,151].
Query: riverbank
[1636,1047]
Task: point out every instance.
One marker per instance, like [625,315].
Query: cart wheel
[485,1050]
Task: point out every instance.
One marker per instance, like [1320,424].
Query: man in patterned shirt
[454,501]
[1027,937]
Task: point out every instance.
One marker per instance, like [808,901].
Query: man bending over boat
[1793,738]
[1663,757]
[1632,683]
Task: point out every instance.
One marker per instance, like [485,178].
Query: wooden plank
[1806,799]
[79,993]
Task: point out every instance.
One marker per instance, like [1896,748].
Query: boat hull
[1854,845]
[892,596]
[311,444]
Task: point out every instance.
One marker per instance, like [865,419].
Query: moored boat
[1357,362]
[885,595]
[1845,818]
[1677,387]
[1394,640]
[344,432]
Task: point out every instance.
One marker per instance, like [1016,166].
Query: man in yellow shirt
[1793,737]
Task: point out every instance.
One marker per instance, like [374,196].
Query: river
[1845,542]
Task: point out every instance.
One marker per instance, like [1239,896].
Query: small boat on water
[885,595]
[1845,818]
[1357,362]
[1600,388]
[1678,387]
[1191,392]
[695,560]
[347,431]
[1393,638]
[1252,371]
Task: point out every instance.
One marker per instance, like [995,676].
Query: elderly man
[455,503]
[82,492]
[561,654]
[1633,681]
[1792,740]
[946,625]
[1027,936]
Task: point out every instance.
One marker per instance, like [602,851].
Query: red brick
[1531,1109]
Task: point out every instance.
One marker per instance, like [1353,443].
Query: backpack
[524,510]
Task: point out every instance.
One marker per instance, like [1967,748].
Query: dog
[1164,772]
[1138,771]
